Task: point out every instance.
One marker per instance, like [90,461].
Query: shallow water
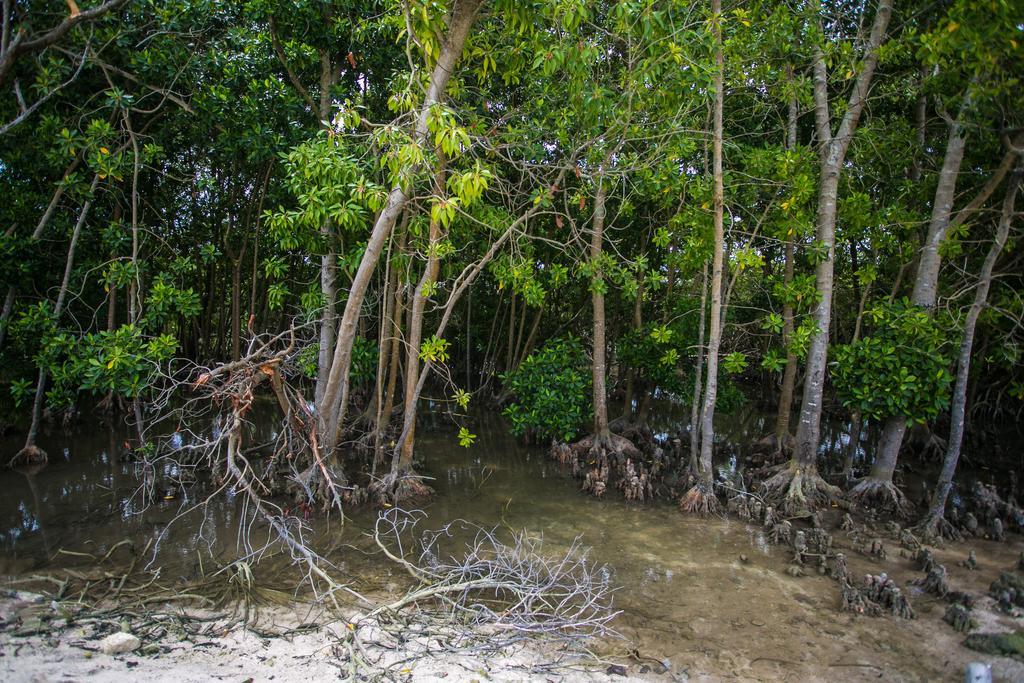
[684,593]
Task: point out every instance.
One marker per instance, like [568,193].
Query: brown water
[685,595]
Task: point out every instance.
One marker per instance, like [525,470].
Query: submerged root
[29,455]
[700,500]
[798,489]
[882,496]
[398,487]
[595,458]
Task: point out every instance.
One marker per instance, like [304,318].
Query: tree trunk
[800,484]
[925,285]
[30,452]
[601,432]
[328,273]
[788,388]
[414,335]
[335,399]
[937,508]
[698,388]
[707,425]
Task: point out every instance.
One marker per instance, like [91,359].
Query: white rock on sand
[119,643]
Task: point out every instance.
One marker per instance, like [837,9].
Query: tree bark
[926,282]
[335,399]
[414,335]
[30,450]
[698,388]
[937,507]
[788,388]
[833,154]
[705,468]
[599,366]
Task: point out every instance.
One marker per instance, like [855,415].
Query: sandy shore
[37,644]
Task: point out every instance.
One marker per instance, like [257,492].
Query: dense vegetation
[568,208]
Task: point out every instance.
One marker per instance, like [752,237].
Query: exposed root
[596,458]
[29,455]
[399,487]
[925,560]
[881,496]
[935,582]
[798,489]
[1008,590]
[781,533]
[934,529]
[878,595]
[700,500]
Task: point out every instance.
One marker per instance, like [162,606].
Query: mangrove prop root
[925,560]
[959,617]
[635,482]
[839,571]
[909,541]
[1008,590]
[796,490]
[781,533]
[700,500]
[936,528]
[880,496]
[595,459]
[799,547]
[30,455]
[878,595]
[876,549]
[400,487]
[971,562]
[935,582]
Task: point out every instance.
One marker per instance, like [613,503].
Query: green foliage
[900,370]
[551,391]
[466,439]
[122,362]
[653,352]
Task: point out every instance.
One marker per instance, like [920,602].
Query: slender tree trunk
[601,432]
[5,315]
[395,339]
[705,469]
[926,284]
[531,338]
[833,154]
[510,348]
[789,373]
[937,507]
[856,419]
[800,484]
[415,332]
[31,452]
[698,388]
[332,407]
[328,273]
[236,310]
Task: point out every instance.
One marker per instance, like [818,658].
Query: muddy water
[685,594]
